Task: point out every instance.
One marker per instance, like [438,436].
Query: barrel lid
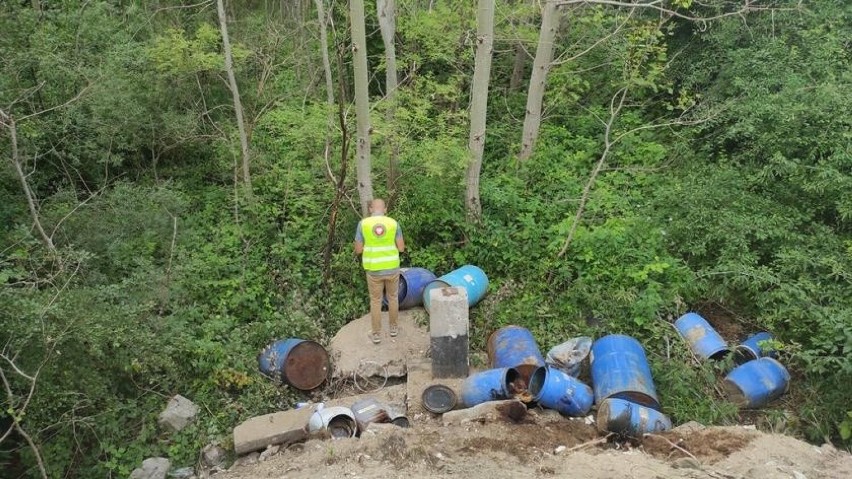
[438,399]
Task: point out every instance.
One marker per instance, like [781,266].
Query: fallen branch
[675,446]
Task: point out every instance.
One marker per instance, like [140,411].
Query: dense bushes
[169,279]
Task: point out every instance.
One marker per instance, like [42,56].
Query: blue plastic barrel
[412,282]
[490,385]
[750,349]
[756,383]
[555,389]
[630,419]
[620,370]
[468,277]
[300,363]
[704,341]
[514,347]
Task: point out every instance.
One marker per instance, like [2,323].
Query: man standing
[378,239]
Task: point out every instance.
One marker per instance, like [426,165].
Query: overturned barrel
[300,363]
[751,348]
[514,347]
[490,385]
[338,421]
[369,410]
[704,341]
[630,419]
[555,389]
[620,370]
[412,282]
[756,383]
[469,277]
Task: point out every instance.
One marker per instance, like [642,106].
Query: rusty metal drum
[300,363]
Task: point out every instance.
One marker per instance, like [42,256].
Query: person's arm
[400,241]
[359,240]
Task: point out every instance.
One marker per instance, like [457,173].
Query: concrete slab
[287,427]
[353,353]
[284,427]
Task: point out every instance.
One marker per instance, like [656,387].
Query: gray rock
[183,473]
[179,413]
[213,455]
[247,460]
[152,468]
[690,426]
[686,463]
[270,451]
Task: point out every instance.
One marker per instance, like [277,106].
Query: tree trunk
[9,122]
[479,103]
[538,77]
[362,103]
[326,64]
[235,92]
[387,24]
[518,68]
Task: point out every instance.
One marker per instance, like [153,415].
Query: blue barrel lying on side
[300,363]
[630,419]
[469,277]
[514,347]
[756,383]
[704,341]
[555,389]
[412,282]
[490,385]
[620,370]
[751,349]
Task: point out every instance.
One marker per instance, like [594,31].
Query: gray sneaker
[394,330]
[376,338]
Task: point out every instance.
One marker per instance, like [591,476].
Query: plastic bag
[569,356]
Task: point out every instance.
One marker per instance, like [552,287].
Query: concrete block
[284,427]
[448,313]
[448,327]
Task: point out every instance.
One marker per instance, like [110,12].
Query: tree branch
[746,7]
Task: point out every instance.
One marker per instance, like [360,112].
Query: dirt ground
[547,445]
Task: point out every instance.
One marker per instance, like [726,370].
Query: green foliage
[169,278]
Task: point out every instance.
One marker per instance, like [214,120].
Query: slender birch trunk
[538,77]
[362,104]
[479,104]
[235,92]
[387,24]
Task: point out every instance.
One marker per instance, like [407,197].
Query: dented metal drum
[412,282]
[555,389]
[756,383]
[751,349]
[704,341]
[490,385]
[300,363]
[338,421]
[620,370]
[368,411]
[469,277]
[630,419]
[514,347]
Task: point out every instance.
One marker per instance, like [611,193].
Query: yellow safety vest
[380,250]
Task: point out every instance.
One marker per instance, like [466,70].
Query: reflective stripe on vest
[380,250]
